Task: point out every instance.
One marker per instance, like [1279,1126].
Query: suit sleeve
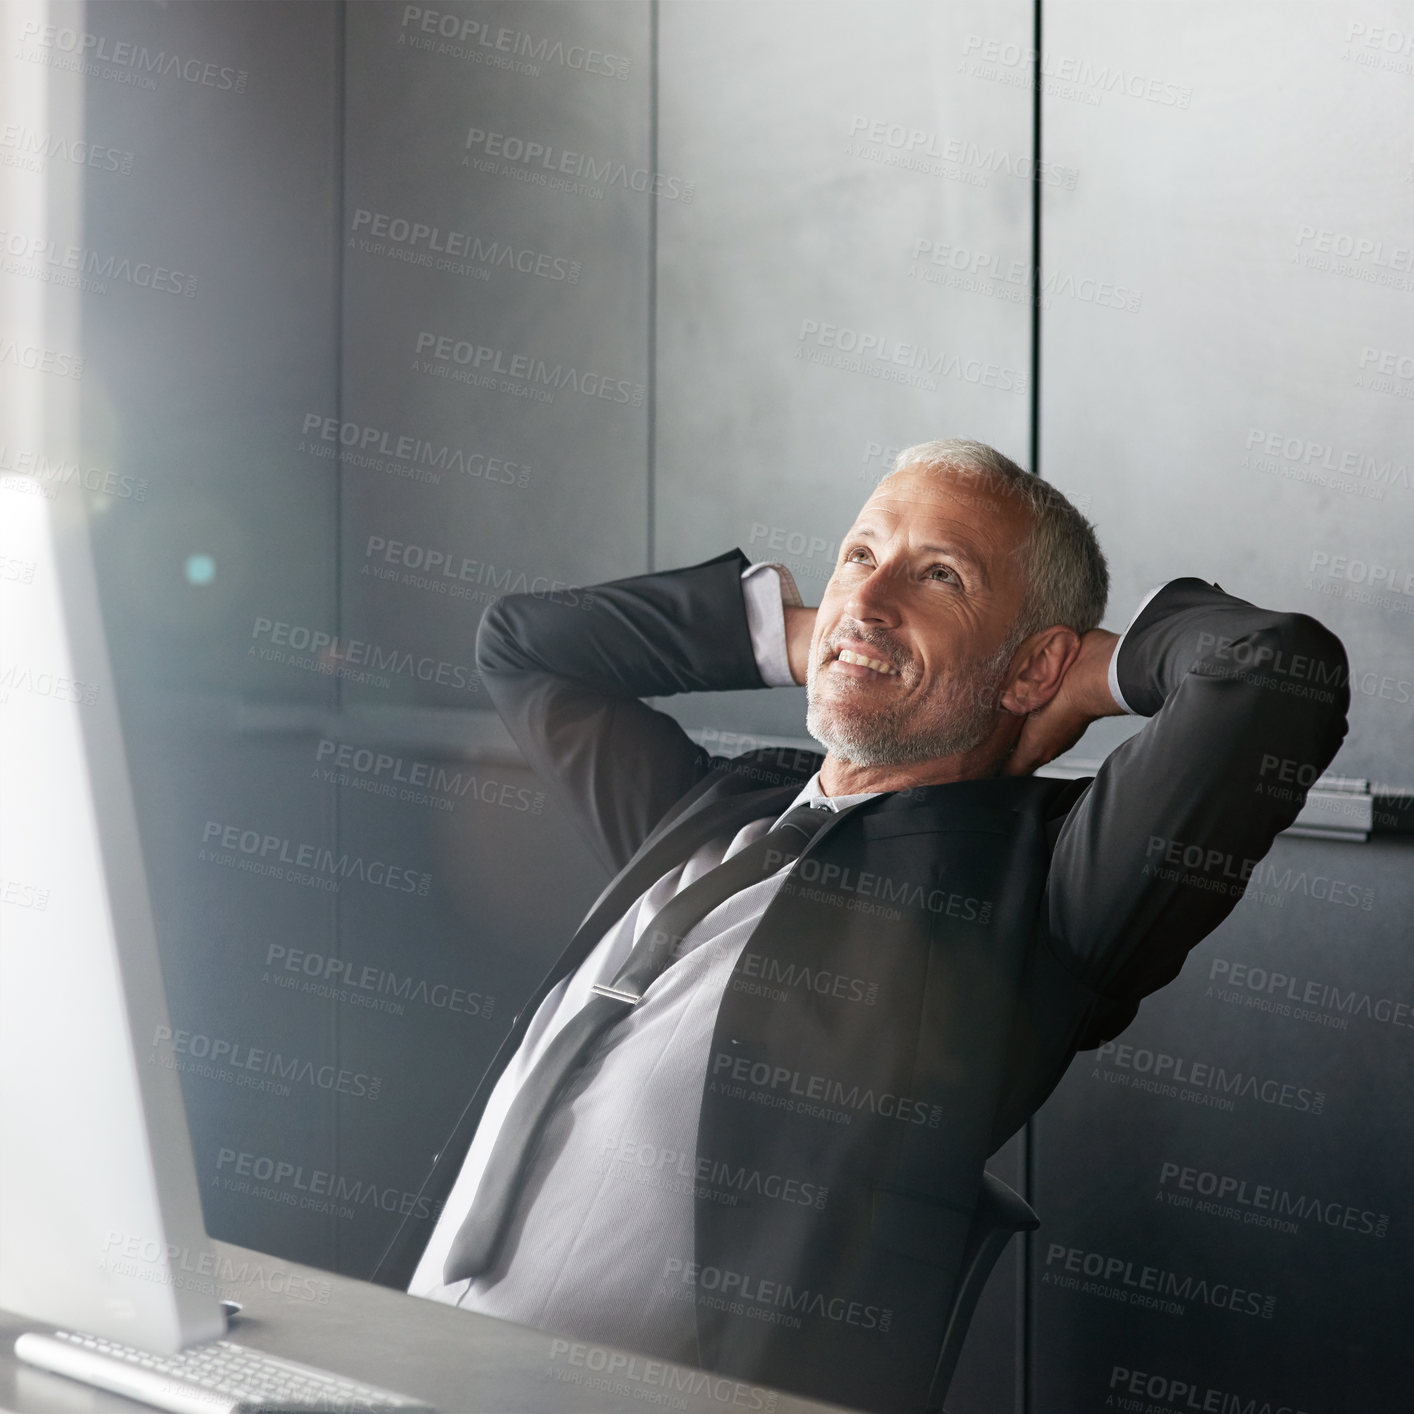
[1159,849]
[567,677]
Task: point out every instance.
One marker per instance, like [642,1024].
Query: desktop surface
[461,1362]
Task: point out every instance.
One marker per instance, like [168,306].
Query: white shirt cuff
[1114,657]
[767,588]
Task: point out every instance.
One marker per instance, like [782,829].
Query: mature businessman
[742,1124]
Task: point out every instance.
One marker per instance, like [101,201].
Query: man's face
[926,589]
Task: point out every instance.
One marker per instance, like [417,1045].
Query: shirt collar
[811,794]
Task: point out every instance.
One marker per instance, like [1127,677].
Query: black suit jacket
[935,958]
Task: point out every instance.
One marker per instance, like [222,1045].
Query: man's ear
[1038,667]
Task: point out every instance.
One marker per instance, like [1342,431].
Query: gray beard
[957,715]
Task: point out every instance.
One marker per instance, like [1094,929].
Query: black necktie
[474,1248]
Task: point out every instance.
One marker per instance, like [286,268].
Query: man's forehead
[931,497]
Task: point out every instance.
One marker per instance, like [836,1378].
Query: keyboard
[215,1377]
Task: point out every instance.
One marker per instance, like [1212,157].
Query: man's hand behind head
[1083,697]
[800,628]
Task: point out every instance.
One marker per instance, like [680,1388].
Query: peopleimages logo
[298,646]
[837,880]
[897,361]
[1156,1288]
[714,1180]
[41,683]
[18,894]
[1262,1204]
[1287,994]
[655,1381]
[1398,578]
[544,164]
[49,474]
[33,150]
[937,262]
[780,1087]
[1133,1390]
[1389,371]
[1309,459]
[818,980]
[1088,78]
[483,366]
[403,454]
[130,63]
[1379,47]
[917,149]
[319,973]
[745,1294]
[284,1181]
[38,359]
[419,243]
[174,1264]
[416,782]
[1196,866]
[446,572]
[258,1068]
[1203,1082]
[38,256]
[465,38]
[270,852]
[1347,243]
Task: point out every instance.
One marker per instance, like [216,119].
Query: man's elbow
[1310,667]
[1317,655]
[497,639]
[1293,664]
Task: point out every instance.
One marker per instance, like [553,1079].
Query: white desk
[461,1362]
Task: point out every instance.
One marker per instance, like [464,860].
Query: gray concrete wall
[1239,413]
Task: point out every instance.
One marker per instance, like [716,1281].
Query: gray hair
[1068,581]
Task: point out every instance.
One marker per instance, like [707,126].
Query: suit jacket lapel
[671,844]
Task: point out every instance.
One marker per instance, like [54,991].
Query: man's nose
[874,597]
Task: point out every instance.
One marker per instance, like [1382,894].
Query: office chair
[1001,1213]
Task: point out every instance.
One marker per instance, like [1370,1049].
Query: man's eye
[858,550]
[950,576]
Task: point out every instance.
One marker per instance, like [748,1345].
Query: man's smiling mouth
[859,660]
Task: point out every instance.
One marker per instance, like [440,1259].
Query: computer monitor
[100,1214]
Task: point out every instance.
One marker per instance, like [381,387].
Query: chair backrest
[1000,1214]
